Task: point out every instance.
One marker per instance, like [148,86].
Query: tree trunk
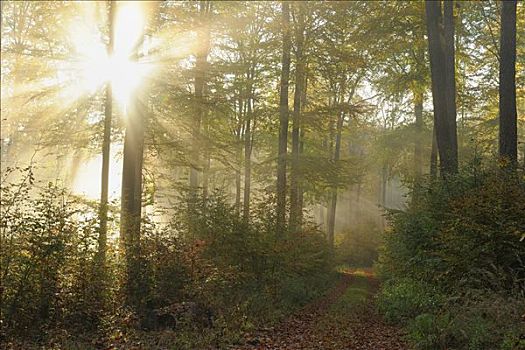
[199,85]
[321,217]
[206,175]
[247,159]
[131,198]
[298,95]
[300,190]
[333,198]
[418,147]
[443,87]
[434,156]
[239,132]
[357,209]
[449,29]
[508,139]
[283,121]
[106,144]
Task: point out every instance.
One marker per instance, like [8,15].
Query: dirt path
[343,319]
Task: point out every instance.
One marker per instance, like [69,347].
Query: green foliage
[454,262]
[461,233]
[429,332]
[243,265]
[404,299]
[354,297]
[489,322]
[48,249]
[234,275]
[359,245]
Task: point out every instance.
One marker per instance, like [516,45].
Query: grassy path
[344,319]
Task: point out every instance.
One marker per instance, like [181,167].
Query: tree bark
[283,121]
[199,85]
[106,144]
[440,33]
[449,32]
[434,156]
[131,198]
[247,158]
[238,147]
[333,197]
[300,195]
[508,132]
[418,147]
[295,210]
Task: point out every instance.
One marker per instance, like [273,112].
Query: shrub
[229,274]
[486,321]
[462,233]
[402,300]
[358,246]
[430,332]
[462,236]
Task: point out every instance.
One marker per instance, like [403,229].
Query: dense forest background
[179,174]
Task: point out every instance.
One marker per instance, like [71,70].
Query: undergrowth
[205,279]
[453,263]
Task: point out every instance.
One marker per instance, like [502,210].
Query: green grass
[354,298]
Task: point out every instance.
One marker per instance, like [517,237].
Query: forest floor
[345,318]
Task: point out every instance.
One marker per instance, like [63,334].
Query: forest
[262,175]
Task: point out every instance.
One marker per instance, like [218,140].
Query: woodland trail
[343,319]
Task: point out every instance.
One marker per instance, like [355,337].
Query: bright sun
[120,70]
[94,68]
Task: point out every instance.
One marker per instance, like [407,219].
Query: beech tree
[508,130]
[440,29]
[106,145]
[283,117]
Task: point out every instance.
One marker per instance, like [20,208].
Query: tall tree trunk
[333,197]
[131,198]
[238,147]
[199,84]
[443,86]
[300,190]
[418,147]
[106,144]
[449,32]
[283,120]
[239,132]
[434,156]
[206,174]
[298,96]
[321,217]
[247,158]
[357,209]
[508,132]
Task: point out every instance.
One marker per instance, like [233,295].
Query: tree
[283,118]
[201,63]
[441,43]
[508,132]
[295,205]
[131,191]
[106,144]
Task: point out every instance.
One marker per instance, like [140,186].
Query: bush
[358,246]
[402,300]
[462,233]
[462,236]
[430,332]
[485,321]
[226,274]
[240,264]
[47,257]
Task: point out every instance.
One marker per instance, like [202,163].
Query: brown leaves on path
[343,319]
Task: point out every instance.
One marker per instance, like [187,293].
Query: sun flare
[121,68]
